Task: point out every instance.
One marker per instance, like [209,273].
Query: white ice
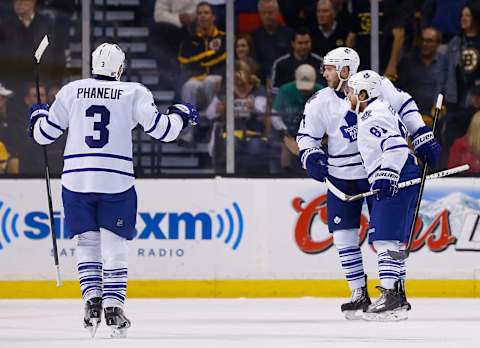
[249,323]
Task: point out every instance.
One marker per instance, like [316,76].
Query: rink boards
[239,238]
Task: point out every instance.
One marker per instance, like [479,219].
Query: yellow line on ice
[237,288]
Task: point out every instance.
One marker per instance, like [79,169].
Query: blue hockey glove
[386,180]
[426,147]
[36,111]
[315,161]
[186,111]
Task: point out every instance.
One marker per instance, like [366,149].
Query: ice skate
[401,290]
[117,321]
[388,307]
[93,315]
[358,303]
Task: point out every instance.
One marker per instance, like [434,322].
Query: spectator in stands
[202,57]
[250,105]
[245,51]
[173,21]
[329,33]
[9,135]
[30,153]
[299,13]
[463,59]
[271,40]
[443,15]
[288,108]
[420,72]
[4,157]
[467,148]
[455,123]
[20,35]
[283,69]
[395,19]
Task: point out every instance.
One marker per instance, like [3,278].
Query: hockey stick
[350,198]
[403,254]
[38,55]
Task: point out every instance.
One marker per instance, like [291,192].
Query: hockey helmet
[368,81]
[108,60]
[341,57]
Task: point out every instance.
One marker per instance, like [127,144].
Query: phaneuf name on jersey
[99,92]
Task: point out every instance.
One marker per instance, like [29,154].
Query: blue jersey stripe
[410,111]
[344,156]
[107,170]
[109,155]
[46,135]
[54,125]
[347,165]
[391,136]
[403,106]
[157,119]
[167,130]
[307,135]
[395,147]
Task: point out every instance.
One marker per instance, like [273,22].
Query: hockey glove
[386,181]
[186,111]
[314,160]
[36,111]
[426,147]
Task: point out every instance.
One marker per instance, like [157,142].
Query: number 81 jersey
[100,116]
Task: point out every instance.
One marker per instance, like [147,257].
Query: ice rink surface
[249,323]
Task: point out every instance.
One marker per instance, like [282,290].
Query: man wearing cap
[288,107]
[8,136]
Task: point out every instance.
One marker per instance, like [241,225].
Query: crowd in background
[426,47]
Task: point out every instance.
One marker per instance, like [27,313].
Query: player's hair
[473,138]
[206,3]
[264,2]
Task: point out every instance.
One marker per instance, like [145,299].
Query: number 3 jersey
[381,138]
[100,116]
[328,113]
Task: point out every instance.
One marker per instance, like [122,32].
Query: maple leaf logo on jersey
[350,130]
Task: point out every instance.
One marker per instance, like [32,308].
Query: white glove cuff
[39,113]
[386,175]
[307,153]
[422,139]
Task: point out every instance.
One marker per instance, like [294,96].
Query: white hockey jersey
[381,138]
[100,116]
[329,113]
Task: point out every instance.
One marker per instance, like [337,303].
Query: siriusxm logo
[226,226]
[12,223]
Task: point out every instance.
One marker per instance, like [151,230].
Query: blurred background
[249,66]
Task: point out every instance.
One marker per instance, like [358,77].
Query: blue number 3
[100,126]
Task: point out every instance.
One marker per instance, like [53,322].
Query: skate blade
[354,315]
[92,328]
[395,315]
[118,333]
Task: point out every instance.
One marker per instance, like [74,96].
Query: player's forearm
[395,159]
[165,127]
[45,132]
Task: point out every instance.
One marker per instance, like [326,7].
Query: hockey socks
[347,244]
[89,265]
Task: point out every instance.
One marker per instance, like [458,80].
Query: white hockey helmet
[368,81]
[108,60]
[341,57]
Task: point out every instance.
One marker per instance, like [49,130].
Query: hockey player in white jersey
[98,193]
[328,113]
[387,159]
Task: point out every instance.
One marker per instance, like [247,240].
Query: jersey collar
[340,94]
